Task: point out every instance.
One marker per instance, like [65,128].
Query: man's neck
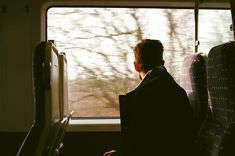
[142,74]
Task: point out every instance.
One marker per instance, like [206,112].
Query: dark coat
[156,117]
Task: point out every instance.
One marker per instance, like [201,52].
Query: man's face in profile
[136,66]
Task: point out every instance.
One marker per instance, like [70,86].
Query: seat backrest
[47,105]
[57,143]
[214,136]
[193,80]
[221,81]
[221,85]
[64,85]
[31,140]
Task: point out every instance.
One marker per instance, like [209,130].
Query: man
[156,117]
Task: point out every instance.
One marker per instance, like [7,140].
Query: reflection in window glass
[98,43]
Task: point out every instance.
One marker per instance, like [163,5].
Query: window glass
[214,28]
[98,43]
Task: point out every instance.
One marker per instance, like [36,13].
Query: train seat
[193,80]
[48,119]
[215,137]
[63,85]
[31,140]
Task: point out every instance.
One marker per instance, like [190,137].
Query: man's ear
[137,67]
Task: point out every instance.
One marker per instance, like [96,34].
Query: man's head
[148,54]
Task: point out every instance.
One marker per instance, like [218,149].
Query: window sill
[90,125]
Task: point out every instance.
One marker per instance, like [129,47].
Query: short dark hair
[148,54]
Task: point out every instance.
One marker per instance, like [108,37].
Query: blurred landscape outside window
[98,43]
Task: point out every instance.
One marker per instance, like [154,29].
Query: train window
[98,43]
[214,28]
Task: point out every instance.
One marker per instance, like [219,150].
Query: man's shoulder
[161,83]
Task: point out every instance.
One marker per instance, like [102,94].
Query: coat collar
[150,75]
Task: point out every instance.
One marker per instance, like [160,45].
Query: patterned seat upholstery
[215,137]
[193,80]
